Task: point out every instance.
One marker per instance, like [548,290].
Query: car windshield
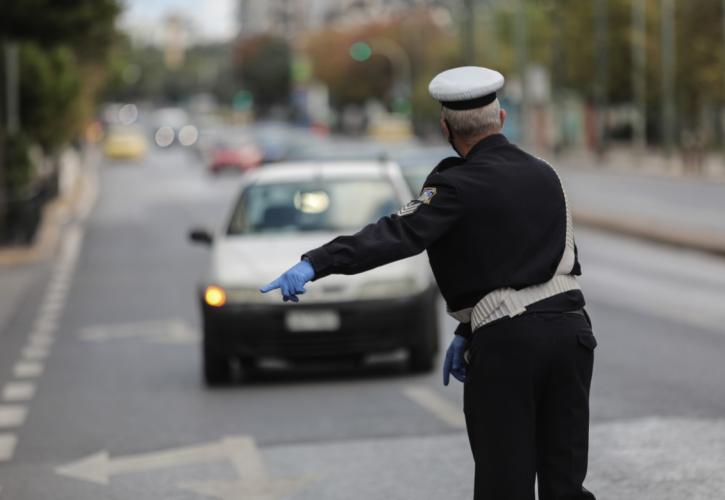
[329,205]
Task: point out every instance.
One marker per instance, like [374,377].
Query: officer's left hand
[455,363]
[292,282]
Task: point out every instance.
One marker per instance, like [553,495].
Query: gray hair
[470,123]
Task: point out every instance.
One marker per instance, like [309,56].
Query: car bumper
[365,327]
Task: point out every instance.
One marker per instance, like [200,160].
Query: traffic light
[360,51]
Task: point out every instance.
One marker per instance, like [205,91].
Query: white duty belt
[509,302]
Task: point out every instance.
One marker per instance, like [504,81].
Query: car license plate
[307,321]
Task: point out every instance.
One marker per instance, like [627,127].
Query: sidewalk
[648,197]
[20,267]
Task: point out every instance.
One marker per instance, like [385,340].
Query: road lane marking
[41,339]
[159,332]
[18,391]
[51,307]
[437,405]
[27,369]
[45,324]
[12,415]
[7,446]
[35,353]
[100,467]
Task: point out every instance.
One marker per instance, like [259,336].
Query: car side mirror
[199,235]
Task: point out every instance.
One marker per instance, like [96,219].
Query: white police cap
[466,87]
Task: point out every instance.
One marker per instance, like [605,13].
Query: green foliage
[51,84]
[263,67]
[18,166]
[428,47]
[63,50]
[86,26]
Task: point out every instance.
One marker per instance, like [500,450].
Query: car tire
[421,360]
[422,357]
[217,369]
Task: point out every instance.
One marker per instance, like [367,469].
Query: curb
[58,214]
[653,230]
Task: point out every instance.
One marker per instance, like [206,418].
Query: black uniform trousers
[526,400]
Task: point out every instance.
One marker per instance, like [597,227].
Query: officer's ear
[444,129]
[502,115]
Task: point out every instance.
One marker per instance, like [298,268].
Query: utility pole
[722,65]
[522,56]
[601,86]
[12,88]
[469,32]
[668,75]
[639,73]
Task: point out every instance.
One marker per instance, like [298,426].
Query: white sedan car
[281,212]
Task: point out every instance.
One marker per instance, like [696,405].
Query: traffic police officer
[498,231]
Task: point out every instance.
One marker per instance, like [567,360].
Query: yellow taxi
[125,142]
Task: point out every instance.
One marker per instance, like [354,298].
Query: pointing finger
[270,286]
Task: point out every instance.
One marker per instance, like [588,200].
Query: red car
[237,157]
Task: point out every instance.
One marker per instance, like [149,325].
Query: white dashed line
[18,391]
[34,353]
[27,369]
[45,324]
[437,405]
[7,446]
[12,415]
[41,340]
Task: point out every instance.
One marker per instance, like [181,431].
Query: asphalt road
[102,397]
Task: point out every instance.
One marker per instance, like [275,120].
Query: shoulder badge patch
[426,195]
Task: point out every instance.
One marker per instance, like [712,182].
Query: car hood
[252,261]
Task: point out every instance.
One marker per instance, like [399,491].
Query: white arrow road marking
[437,405]
[100,467]
[18,391]
[254,482]
[7,446]
[161,332]
[12,415]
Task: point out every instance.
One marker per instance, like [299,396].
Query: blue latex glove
[292,282]
[455,363]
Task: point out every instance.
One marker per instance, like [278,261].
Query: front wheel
[422,356]
[421,359]
[216,367]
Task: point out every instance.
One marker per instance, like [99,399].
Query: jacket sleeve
[464,330]
[408,232]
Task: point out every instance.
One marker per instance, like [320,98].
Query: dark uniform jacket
[494,219]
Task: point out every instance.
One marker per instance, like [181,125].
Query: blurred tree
[50,107]
[139,74]
[429,44]
[63,53]
[262,66]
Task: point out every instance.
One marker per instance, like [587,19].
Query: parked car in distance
[234,155]
[283,210]
[127,142]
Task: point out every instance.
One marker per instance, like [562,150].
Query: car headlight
[215,296]
[389,289]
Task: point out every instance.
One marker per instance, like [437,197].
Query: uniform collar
[488,142]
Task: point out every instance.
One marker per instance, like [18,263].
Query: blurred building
[175,41]
[290,18]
